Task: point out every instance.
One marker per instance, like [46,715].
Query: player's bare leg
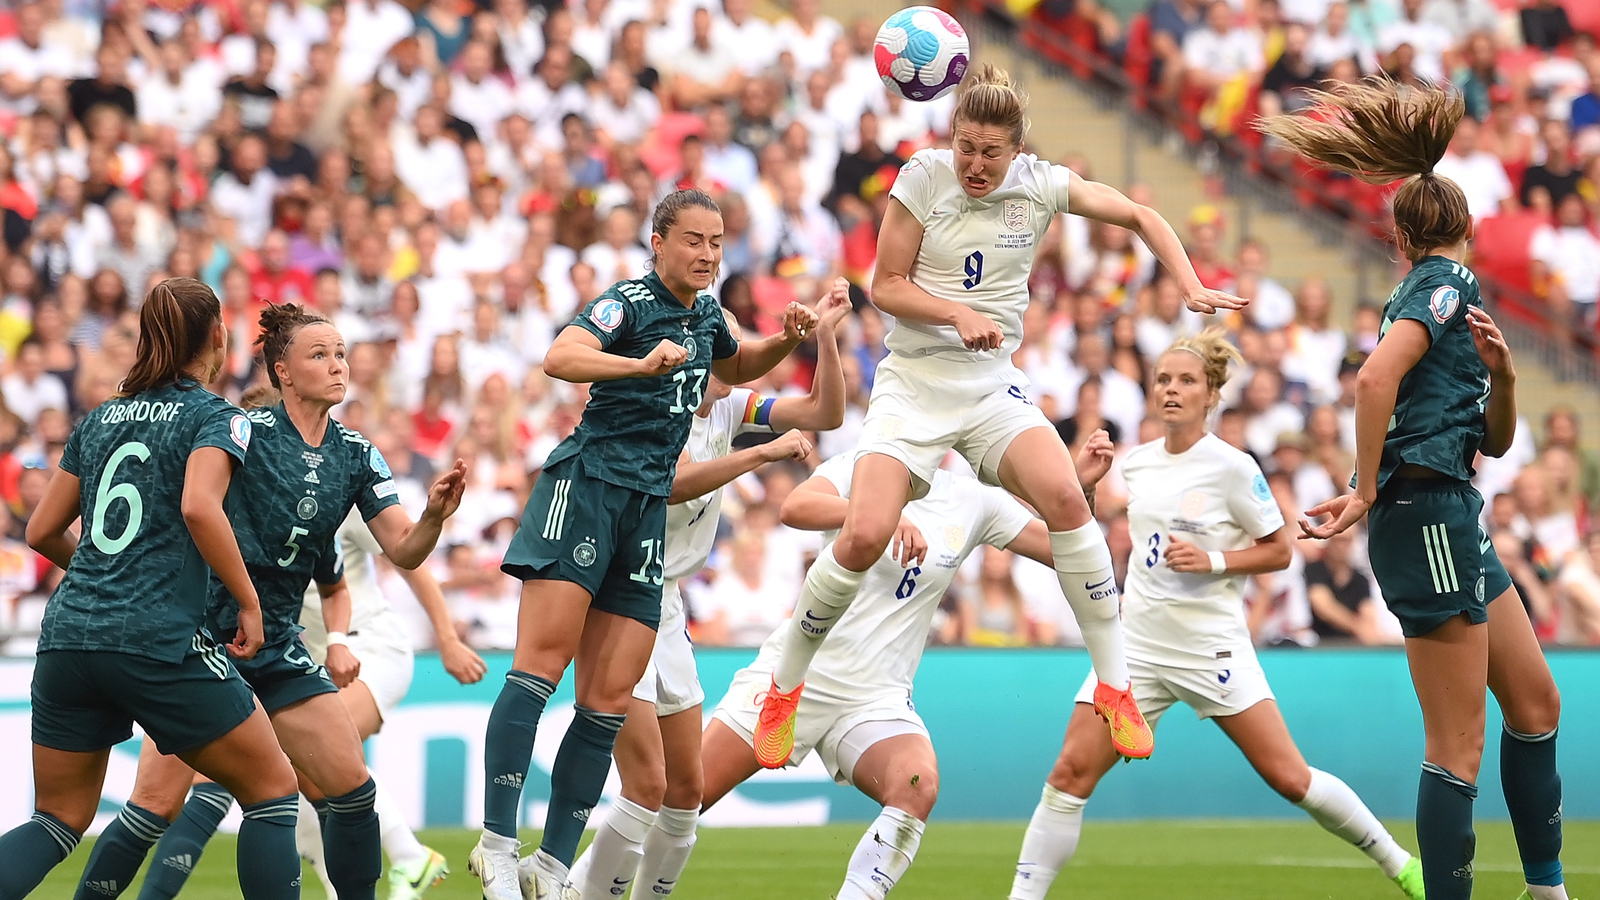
[1531,705]
[1260,733]
[728,761]
[881,489]
[321,740]
[66,794]
[902,774]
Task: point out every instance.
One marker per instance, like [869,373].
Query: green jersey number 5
[108,493]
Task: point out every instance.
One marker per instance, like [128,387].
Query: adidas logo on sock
[510,779]
[582,815]
[183,862]
[109,888]
[1463,872]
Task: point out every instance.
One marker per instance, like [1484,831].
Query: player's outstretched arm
[1104,203]
[823,408]
[899,241]
[1272,553]
[462,662]
[576,356]
[408,543]
[756,358]
[695,479]
[815,505]
[47,528]
[1500,412]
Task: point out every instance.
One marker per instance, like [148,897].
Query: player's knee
[1291,779]
[166,804]
[1073,775]
[685,791]
[1537,709]
[858,548]
[916,794]
[647,790]
[1063,507]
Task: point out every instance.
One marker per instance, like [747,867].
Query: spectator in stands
[742,608]
[1429,42]
[808,35]
[245,193]
[1561,429]
[1545,186]
[1221,50]
[1462,17]
[1171,22]
[1480,174]
[705,72]
[1286,86]
[1271,305]
[1341,600]
[996,615]
[1205,248]
[1580,585]
[1332,41]
[1545,25]
[1566,255]
[1481,74]
[124,254]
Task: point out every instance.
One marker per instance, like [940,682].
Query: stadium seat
[1500,250]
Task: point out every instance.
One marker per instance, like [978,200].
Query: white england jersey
[692,524]
[1212,496]
[975,251]
[367,604]
[878,642]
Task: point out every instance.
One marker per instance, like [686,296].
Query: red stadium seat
[1136,57]
[1584,15]
[1500,250]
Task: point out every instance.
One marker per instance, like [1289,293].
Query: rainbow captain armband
[758,410]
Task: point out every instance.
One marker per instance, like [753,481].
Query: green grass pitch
[1201,860]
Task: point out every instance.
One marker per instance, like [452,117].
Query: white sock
[1334,806]
[828,590]
[308,840]
[497,843]
[617,848]
[1051,840]
[1083,566]
[883,855]
[666,851]
[398,840]
[580,866]
[1547,891]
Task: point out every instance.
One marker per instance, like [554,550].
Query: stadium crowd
[450,183]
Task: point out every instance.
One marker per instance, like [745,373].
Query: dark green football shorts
[87,700]
[282,673]
[602,537]
[1432,558]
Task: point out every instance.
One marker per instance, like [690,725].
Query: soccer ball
[921,53]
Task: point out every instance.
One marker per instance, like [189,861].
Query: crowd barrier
[996,717]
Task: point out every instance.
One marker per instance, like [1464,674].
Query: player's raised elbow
[557,365]
[39,534]
[199,510]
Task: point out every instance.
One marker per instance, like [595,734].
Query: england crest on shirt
[1015,215]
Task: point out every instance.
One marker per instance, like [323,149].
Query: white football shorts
[1221,691]
[671,681]
[921,409]
[387,661]
[840,731]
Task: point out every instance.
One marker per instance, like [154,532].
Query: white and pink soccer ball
[921,52]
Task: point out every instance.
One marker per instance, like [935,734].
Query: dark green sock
[268,863]
[577,778]
[1533,796]
[1444,833]
[508,748]
[351,843]
[180,849]
[29,851]
[119,851]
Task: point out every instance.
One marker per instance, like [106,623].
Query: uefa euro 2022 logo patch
[1443,303]
[1260,489]
[607,314]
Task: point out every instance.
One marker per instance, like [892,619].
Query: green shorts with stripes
[87,700]
[1432,558]
[282,673]
[600,536]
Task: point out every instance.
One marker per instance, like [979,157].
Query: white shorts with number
[671,680]
[839,730]
[387,661]
[921,409]
[1221,691]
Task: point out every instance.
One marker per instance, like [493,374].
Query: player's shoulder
[1442,285]
[931,159]
[1144,454]
[728,412]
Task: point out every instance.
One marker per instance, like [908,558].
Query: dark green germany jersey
[137,583]
[634,428]
[288,503]
[1439,412]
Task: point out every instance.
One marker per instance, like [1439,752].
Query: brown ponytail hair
[990,97]
[280,322]
[174,325]
[1378,131]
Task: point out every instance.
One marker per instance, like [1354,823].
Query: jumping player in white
[954,256]
[651,828]
[1202,518]
[858,713]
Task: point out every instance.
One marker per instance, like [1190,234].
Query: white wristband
[1219,565]
[338,639]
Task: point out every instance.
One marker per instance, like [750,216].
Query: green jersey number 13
[108,492]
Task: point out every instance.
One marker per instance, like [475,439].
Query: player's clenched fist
[663,359]
[977,331]
[834,305]
[791,444]
[798,321]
